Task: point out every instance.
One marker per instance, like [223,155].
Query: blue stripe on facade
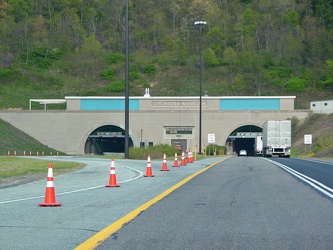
[249,104]
[100,104]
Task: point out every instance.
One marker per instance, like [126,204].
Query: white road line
[140,174]
[317,185]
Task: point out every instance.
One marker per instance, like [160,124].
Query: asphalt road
[242,203]
[317,169]
[87,205]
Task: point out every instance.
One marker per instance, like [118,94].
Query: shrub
[42,57]
[134,75]
[295,85]
[117,86]
[8,74]
[213,148]
[108,74]
[115,58]
[150,70]
[155,152]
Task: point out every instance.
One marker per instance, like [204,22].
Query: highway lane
[242,203]
[87,206]
[320,170]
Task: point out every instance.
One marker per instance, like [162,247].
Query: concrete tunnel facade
[153,120]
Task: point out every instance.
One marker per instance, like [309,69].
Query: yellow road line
[99,237]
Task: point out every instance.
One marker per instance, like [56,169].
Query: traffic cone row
[50,200]
[30,154]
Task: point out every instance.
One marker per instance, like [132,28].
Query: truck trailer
[276,138]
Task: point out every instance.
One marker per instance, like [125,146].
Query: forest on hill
[57,48]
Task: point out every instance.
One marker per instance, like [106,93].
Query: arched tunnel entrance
[106,139]
[248,137]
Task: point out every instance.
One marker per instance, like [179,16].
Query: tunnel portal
[106,139]
[244,138]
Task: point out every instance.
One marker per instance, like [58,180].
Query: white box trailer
[276,138]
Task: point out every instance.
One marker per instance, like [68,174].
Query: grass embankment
[11,166]
[321,129]
[13,139]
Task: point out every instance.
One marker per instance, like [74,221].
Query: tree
[215,40]
[88,57]
[295,85]
[4,8]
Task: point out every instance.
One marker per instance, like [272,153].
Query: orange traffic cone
[24,154]
[149,172]
[190,157]
[50,200]
[113,179]
[8,154]
[175,163]
[164,165]
[183,161]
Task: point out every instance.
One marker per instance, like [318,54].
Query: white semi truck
[276,138]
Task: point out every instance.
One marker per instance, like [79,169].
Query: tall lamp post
[200,24]
[126,84]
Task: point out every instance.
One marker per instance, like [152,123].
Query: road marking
[101,236]
[140,174]
[316,184]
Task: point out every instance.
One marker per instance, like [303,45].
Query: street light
[200,24]
[126,83]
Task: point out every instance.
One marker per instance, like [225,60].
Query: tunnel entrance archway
[244,138]
[106,139]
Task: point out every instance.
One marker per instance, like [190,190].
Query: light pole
[126,84]
[200,24]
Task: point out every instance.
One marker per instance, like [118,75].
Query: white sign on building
[211,138]
[307,139]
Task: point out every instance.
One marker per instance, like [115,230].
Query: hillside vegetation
[52,49]
[320,127]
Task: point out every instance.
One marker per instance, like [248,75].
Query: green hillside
[320,127]
[13,139]
[52,49]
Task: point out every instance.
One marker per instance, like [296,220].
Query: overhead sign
[307,139]
[211,138]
